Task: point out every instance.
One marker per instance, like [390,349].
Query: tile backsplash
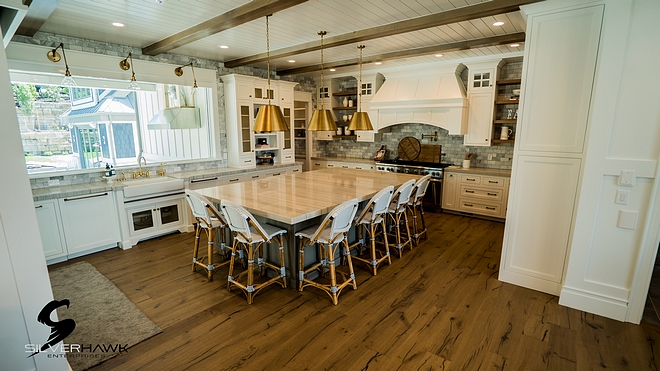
[494,157]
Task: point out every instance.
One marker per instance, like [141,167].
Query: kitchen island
[296,201]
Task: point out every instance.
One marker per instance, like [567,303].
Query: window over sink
[86,127]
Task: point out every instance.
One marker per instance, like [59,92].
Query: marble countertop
[49,193]
[295,198]
[345,159]
[478,171]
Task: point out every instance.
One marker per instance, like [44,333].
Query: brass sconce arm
[433,137]
[179,72]
[55,57]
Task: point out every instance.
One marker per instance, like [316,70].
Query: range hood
[176,118]
[436,97]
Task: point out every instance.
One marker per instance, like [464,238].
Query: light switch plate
[627,178]
[627,219]
[622,197]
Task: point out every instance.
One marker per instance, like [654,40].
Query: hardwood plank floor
[440,307]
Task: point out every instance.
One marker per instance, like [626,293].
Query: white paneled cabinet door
[562,51]
[480,119]
[52,238]
[90,222]
[535,243]
[449,191]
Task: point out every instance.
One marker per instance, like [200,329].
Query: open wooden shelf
[506,121]
[502,141]
[345,136]
[508,82]
[347,108]
[508,101]
[344,93]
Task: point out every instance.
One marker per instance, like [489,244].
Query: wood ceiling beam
[235,17]
[38,12]
[417,52]
[434,20]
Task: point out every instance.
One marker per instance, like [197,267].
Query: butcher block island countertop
[295,198]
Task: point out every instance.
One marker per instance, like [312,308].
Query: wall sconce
[125,65]
[54,56]
[179,72]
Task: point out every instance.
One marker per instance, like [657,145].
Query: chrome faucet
[139,160]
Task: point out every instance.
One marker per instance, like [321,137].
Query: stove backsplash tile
[452,146]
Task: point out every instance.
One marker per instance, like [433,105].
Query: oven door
[433,198]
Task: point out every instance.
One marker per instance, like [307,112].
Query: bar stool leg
[387,245]
[198,230]
[280,241]
[301,263]
[405,218]
[413,210]
[249,288]
[350,263]
[374,261]
[234,253]
[210,244]
[421,213]
[399,246]
[334,291]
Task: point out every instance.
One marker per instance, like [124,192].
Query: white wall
[24,283]
[609,267]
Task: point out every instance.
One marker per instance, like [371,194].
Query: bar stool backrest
[340,220]
[402,195]
[378,203]
[420,187]
[203,209]
[239,220]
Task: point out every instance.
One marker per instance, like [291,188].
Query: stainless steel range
[433,198]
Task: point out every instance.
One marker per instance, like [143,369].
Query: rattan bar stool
[329,235]
[397,215]
[415,206]
[251,236]
[374,215]
[208,219]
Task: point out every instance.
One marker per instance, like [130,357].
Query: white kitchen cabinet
[324,135]
[475,194]
[90,223]
[240,114]
[231,179]
[449,190]
[318,164]
[556,95]
[480,119]
[152,217]
[50,229]
[210,181]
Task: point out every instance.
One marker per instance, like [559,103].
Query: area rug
[107,322]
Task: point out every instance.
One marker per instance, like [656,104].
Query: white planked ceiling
[147,21]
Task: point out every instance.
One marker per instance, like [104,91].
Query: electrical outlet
[176,169]
[622,197]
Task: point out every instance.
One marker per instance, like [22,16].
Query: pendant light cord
[360,82]
[322,33]
[268,58]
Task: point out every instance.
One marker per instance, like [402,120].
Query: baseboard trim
[530,282]
[593,303]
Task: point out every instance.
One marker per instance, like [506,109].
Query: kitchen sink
[147,186]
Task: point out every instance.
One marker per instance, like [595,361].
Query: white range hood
[434,97]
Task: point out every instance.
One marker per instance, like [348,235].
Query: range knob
[425,172]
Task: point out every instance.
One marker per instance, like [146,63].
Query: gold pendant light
[360,120]
[322,119]
[270,117]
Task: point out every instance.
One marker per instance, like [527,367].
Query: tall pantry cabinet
[558,73]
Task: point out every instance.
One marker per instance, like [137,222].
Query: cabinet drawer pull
[494,181]
[330,165]
[276,174]
[233,180]
[39,206]
[358,168]
[491,194]
[203,180]
[287,157]
[470,179]
[295,171]
[255,176]
[246,161]
[84,197]
[317,164]
[470,205]
[468,191]
[344,167]
[490,208]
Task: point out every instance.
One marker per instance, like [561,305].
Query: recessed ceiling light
[378,63]
[117,24]
[291,61]
[224,47]
[514,45]
[498,23]
[332,70]
[438,55]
